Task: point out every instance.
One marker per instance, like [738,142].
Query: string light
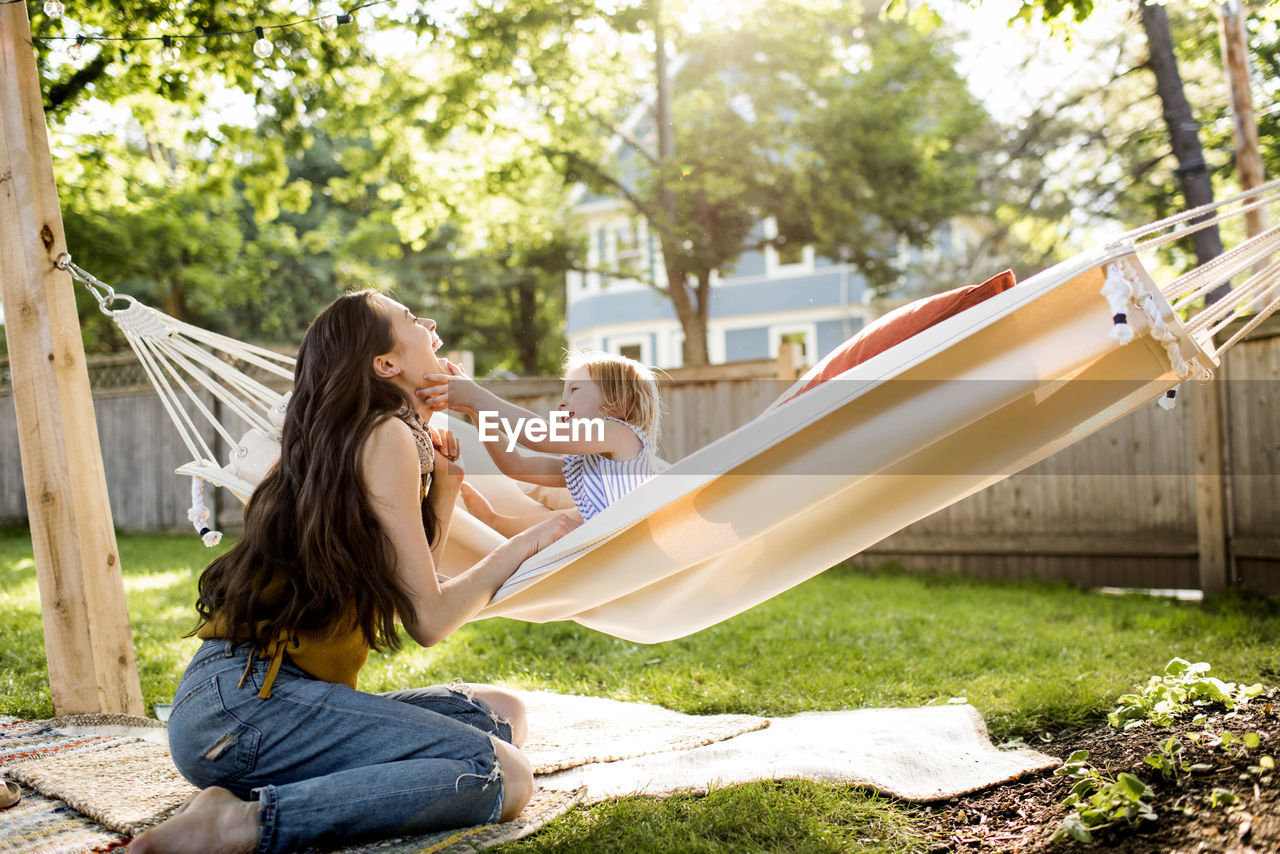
[262,47]
[329,20]
[329,17]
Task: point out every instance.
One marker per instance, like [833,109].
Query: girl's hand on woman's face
[452,368]
[454,391]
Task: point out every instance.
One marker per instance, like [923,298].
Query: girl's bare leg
[214,821]
[477,505]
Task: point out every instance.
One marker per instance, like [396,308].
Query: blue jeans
[329,764]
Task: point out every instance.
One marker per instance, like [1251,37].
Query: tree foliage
[243,193]
[852,134]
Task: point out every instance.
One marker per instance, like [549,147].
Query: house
[770,297]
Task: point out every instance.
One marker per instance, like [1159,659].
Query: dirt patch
[1191,815]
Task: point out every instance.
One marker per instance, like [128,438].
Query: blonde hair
[628,389]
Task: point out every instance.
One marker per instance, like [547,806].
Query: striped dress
[595,481]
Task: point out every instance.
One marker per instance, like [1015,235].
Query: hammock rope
[1192,295]
[185,364]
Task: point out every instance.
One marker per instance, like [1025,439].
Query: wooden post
[1210,486]
[86,625]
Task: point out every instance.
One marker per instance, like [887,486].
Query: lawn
[1035,659]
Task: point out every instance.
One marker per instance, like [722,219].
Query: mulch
[1022,817]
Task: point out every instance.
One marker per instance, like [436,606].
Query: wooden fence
[1118,509]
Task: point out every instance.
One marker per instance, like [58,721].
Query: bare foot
[477,505]
[214,821]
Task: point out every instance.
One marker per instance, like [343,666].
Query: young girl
[599,466]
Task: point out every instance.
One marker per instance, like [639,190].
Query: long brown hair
[309,525]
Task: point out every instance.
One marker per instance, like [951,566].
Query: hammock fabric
[814,480]
[831,469]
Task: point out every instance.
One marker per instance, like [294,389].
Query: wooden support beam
[86,625]
[1212,518]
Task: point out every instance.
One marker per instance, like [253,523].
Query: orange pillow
[899,325]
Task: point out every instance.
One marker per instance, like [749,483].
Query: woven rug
[42,825]
[116,771]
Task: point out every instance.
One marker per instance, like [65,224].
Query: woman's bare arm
[390,464]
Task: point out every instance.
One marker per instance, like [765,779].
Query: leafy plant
[1100,801]
[1221,798]
[1169,761]
[1184,685]
[1263,771]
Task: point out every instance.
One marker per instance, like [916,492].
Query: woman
[341,541]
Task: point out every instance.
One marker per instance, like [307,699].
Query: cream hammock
[944,414]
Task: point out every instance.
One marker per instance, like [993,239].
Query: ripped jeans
[329,764]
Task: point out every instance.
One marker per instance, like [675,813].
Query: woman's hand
[448,447]
[451,390]
[549,530]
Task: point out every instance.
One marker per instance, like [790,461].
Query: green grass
[1033,658]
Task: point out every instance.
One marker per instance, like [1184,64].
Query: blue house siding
[606,309]
[748,264]
[774,295]
[764,296]
[744,344]
[831,334]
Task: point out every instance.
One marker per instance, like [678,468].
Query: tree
[335,165]
[1192,171]
[749,131]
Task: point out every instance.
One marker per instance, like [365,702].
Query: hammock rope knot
[1119,291]
[141,320]
[199,514]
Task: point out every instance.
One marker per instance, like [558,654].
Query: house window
[790,253]
[629,249]
[785,257]
[602,254]
[803,334]
[800,338]
[632,346]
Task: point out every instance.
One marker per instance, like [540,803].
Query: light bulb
[76,50]
[329,13]
[262,47]
[169,52]
[54,8]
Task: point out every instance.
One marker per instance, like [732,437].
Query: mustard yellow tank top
[338,652]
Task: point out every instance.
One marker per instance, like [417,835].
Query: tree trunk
[693,318]
[1235,55]
[1192,172]
[527,325]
